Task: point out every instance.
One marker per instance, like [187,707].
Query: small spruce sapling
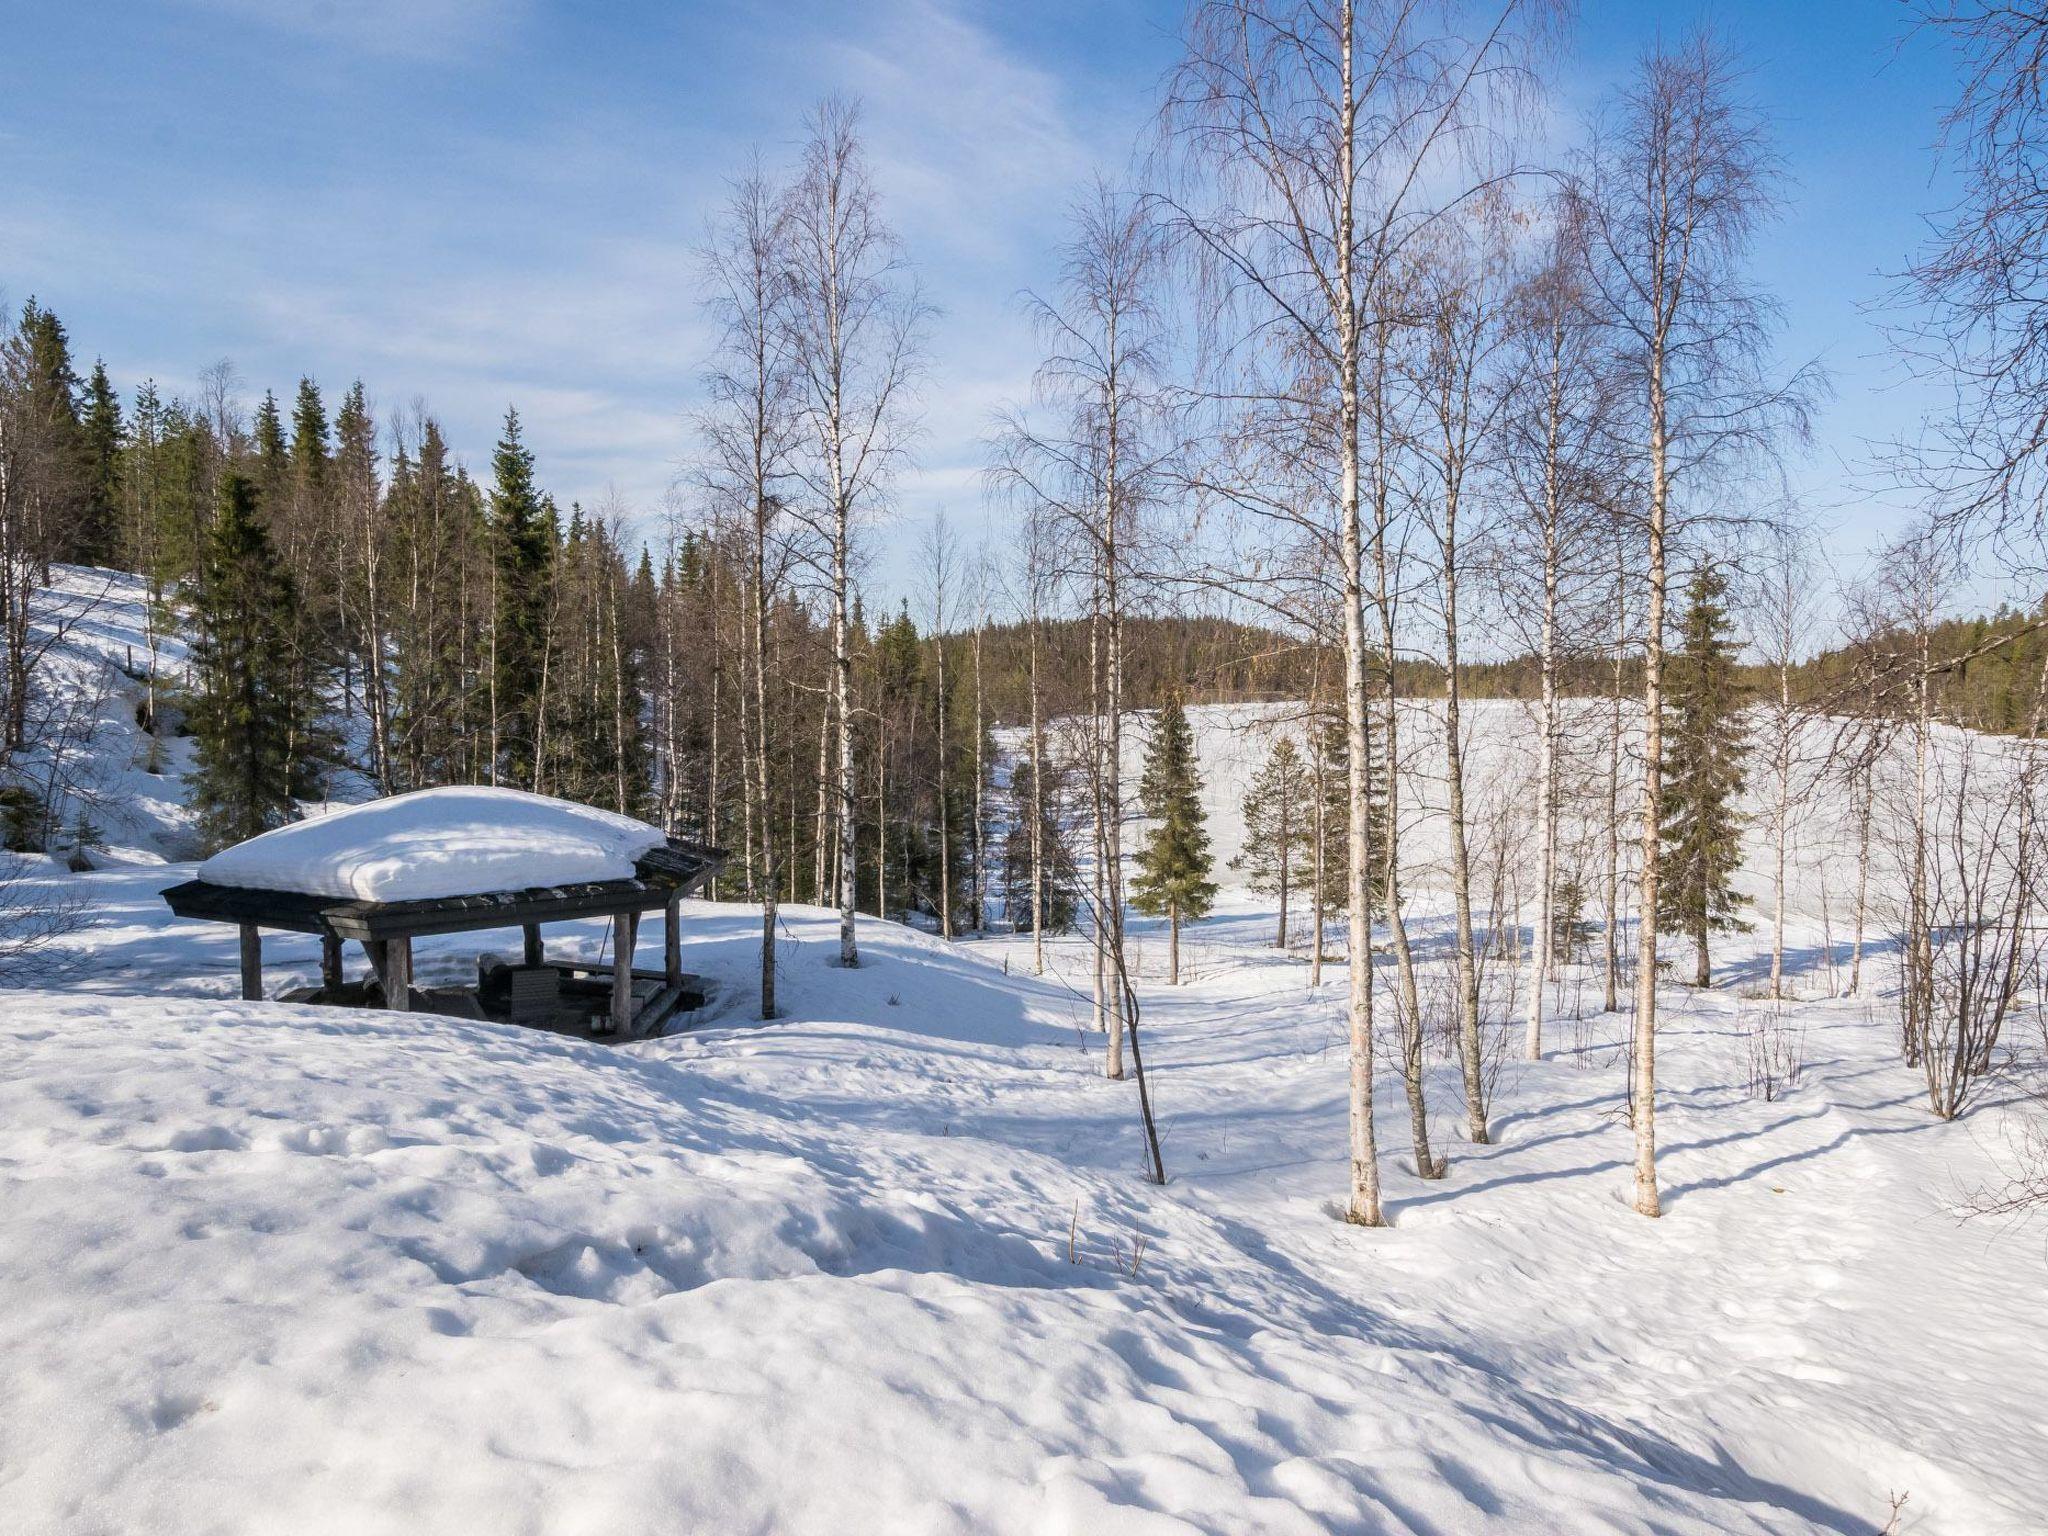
[1279,826]
[1175,863]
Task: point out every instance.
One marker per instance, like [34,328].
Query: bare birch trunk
[1610,898]
[771,880]
[1865,796]
[1469,1044]
[1542,937]
[1409,1011]
[978,915]
[1037,811]
[1321,827]
[1364,1205]
[842,702]
[1643,1091]
[1782,830]
[945,808]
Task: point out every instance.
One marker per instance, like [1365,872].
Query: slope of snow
[887,1264]
[93,758]
[1232,742]
[461,840]
[876,1267]
[93,761]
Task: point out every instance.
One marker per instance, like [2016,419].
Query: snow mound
[464,840]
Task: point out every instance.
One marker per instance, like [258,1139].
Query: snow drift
[463,840]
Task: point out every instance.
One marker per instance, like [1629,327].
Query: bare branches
[855,325]
[1981,289]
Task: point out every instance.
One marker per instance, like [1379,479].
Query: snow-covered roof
[463,840]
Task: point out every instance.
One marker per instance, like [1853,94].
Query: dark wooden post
[398,975]
[330,961]
[252,964]
[625,934]
[672,943]
[535,955]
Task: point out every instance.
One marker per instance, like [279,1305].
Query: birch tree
[1454,373]
[1318,139]
[1557,424]
[1785,617]
[855,321]
[750,437]
[1094,466]
[1682,179]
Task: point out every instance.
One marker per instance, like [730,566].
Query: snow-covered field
[888,1264]
[877,1267]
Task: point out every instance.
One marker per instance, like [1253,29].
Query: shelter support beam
[398,975]
[252,964]
[625,935]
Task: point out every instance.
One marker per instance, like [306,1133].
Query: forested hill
[1200,658]
[1987,672]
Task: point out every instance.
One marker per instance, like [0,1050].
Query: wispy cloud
[525,232]
[422,29]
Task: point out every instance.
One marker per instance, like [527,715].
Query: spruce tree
[250,767]
[1061,884]
[1704,748]
[99,535]
[309,443]
[271,469]
[523,549]
[1330,767]
[1279,829]
[46,443]
[1173,867]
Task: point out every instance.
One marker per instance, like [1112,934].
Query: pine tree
[249,769]
[1173,867]
[1704,748]
[1279,829]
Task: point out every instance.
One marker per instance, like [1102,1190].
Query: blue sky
[489,202]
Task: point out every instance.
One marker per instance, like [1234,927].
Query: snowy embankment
[92,760]
[888,1265]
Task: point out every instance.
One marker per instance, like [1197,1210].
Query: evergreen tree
[1174,865]
[361,530]
[1329,768]
[1704,748]
[99,536]
[523,549]
[45,441]
[251,760]
[270,470]
[309,443]
[1279,829]
[1061,882]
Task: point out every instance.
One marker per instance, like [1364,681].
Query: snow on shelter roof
[463,840]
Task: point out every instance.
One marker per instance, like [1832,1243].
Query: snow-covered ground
[887,1264]
[878,1267]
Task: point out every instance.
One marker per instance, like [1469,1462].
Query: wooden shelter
[537,990]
